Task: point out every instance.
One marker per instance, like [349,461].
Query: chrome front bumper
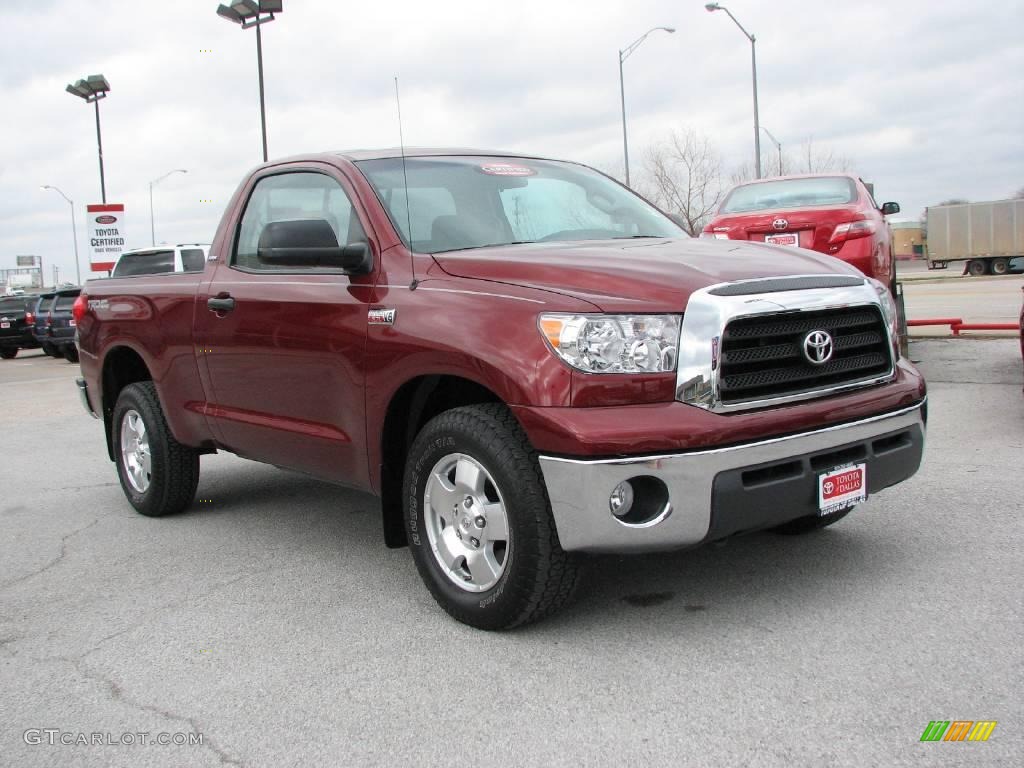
[579,489]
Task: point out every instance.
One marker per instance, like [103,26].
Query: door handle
[223,303]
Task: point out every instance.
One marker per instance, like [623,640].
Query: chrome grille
[762,356]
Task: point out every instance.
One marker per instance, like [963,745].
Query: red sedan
[830,213]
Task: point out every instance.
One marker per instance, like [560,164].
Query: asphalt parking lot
[271,619]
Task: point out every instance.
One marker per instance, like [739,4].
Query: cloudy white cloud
[925,95]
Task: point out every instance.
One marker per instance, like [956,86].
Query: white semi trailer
[984,235]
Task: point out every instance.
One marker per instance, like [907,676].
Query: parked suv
[61,330]
[16,322]
[41,324]
[188,257]
[830,213]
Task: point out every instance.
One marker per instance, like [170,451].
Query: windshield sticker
[507,169]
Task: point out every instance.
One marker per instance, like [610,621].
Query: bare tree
[684,177]
[810,158]
[817,160]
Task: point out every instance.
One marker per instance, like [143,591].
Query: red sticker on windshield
[507,169]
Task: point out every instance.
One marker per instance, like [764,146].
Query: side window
[292,196]
[192,259]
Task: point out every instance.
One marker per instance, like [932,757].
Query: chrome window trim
[707,315]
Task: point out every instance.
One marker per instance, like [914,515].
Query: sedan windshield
[791,193]
[456,203]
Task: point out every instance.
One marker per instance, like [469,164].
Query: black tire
[71,353]
[8,353]
[977,267]
[174,467]
[811,523]
[538,577]
[1000,266]
[48,350]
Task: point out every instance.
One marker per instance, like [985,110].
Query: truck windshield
[791,193]
[455,203]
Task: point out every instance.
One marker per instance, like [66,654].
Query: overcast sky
[926,96]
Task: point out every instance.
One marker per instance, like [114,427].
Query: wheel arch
[122,365]
[411,406]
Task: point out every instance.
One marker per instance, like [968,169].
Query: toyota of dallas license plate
[842,488]
[787,238]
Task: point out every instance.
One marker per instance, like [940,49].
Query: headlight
[888,305]
[889,313]
[614,343]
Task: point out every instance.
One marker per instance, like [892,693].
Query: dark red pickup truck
[522,358]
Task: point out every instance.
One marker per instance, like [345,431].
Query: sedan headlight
[614,343]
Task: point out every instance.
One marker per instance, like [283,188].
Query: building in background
[908,240]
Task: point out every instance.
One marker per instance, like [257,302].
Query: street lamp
[712,7]
[92,89]
[248,13]
[74,229]
[153,183]
[778,146]
[623,55]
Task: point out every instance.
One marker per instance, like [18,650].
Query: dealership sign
[106,235]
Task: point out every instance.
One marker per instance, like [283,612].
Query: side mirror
[890,208]
[310,243]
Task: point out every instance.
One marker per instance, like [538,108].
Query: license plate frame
[791,239]
[842,488]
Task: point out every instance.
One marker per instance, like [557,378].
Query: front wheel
[1000,266]
[158,474]
[479,521]
[7,353]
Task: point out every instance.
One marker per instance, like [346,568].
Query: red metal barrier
[957,327]
[937,321]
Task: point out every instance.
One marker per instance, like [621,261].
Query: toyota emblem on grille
[780,224]
[818,347]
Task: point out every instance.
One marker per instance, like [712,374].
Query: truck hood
[652,275]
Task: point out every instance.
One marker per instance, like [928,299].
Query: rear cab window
[144,263]
[193,259]
[791,193]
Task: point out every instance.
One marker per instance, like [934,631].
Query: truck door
[283,346]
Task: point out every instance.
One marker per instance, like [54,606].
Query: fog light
[621,500]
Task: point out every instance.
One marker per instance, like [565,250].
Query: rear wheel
[811,523]
[1000,266]
[71,353]
[479,522]
[977,268]
[52,351]
[158,474]
[8,352]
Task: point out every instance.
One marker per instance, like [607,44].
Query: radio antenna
[405,179]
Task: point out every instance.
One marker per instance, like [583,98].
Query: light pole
[778,146]
[248,13]
[74,229]
[92,89]
[623,55]
[712,7]
[153,183]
